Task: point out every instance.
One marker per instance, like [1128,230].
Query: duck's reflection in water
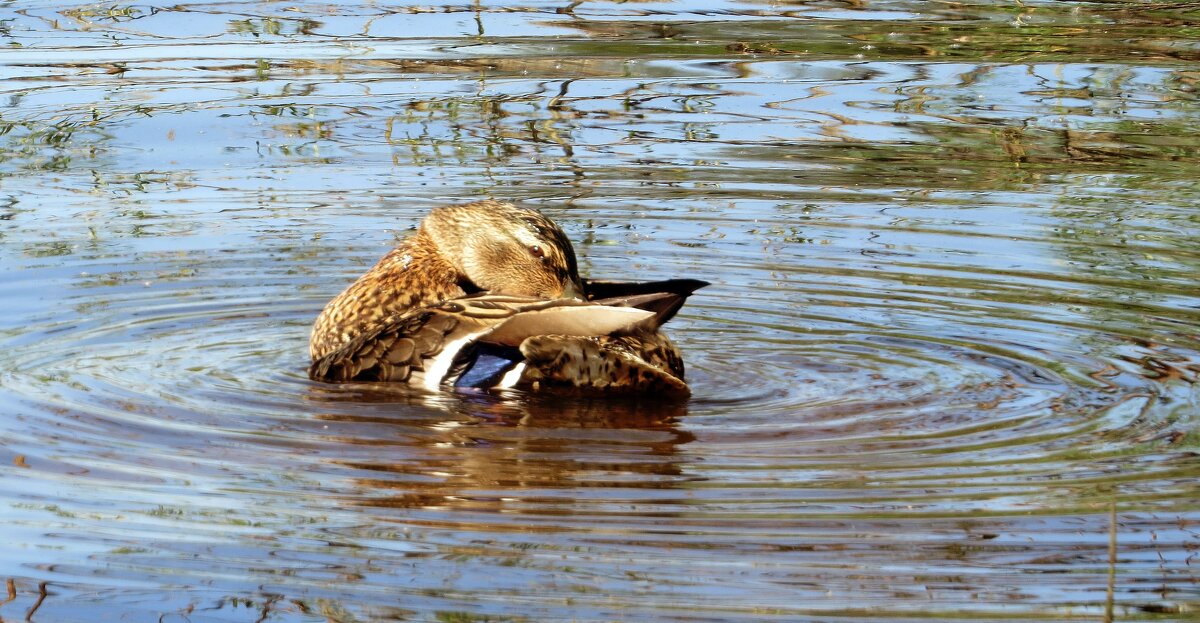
[525,454]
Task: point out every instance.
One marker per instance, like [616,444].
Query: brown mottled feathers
[391,351]
[457,250]
[389,288]
[490,275]
[393,348]
[641,363]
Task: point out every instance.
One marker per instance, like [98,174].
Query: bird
[487,295]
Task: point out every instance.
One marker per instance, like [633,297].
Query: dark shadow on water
[496,453]
[379,400]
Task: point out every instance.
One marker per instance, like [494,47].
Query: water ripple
[952,339]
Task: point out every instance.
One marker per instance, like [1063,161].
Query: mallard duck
[487,295]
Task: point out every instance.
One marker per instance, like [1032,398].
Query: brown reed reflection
[476,451]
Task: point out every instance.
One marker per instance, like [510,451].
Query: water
[947,368]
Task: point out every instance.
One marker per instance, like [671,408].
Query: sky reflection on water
[953,323]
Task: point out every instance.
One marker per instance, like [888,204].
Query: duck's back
[408,277]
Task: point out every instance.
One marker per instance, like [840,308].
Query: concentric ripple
[947,366]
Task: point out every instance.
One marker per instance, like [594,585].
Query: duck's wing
[390,351]
[396,347]
[664,298]
[495,359]
[442,342]
[568,317]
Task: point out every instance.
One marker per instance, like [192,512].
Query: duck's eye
[537,252]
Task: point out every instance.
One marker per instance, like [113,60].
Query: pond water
[947,367]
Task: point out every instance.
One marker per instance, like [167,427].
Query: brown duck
[487,295]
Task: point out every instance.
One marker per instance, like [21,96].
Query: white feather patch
[436,370]
[577,320]
[512,377]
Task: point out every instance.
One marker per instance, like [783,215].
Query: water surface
[947,368]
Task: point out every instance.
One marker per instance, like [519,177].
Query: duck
[487,296]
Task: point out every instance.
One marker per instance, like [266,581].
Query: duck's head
[502,248]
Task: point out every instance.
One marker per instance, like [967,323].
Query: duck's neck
[412,275]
